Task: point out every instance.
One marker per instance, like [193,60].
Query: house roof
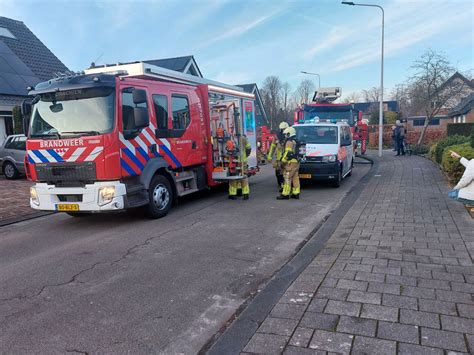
[10,101]
[24,59]
[466,105]
[248,87]
[181,64]
[253,89]
[457,75]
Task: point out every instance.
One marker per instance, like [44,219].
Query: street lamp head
[348,3]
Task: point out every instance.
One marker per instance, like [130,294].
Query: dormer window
[5,32]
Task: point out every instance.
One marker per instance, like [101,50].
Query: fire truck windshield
[74,112]
[316,134]
[327,113]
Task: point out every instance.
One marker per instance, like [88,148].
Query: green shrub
[432,153]
[420,149]
[446,142]
[462,129]
[453,167]
[472,137]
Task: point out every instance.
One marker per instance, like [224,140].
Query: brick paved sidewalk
[15,199]
[395,277]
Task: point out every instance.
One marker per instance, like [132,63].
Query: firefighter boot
[246,196]
[296,197]
[285,194]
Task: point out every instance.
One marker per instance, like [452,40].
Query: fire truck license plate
[67,207]
[305,176]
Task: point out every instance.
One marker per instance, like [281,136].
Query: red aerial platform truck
[132,135]
[323,109]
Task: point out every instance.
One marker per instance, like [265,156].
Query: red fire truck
[131,135]
[323,109]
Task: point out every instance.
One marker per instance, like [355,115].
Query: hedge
[462,129]
[472,137]
[446,142]
[453,167]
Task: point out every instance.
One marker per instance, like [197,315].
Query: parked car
[12,155]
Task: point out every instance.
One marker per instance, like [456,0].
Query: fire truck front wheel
[160,196]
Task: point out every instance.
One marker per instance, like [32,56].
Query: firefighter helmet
[290,132]
[283,125]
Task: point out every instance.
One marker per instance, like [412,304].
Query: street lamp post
[381,73]
[319,77]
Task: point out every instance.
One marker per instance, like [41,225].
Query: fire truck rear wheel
[160,196]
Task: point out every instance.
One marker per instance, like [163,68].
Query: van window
[8,143]
[346,136]
[180,107]
[316,134]
[21,143]
[161,109]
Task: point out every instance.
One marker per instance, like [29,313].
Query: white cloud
[238,30]
[233,78]
[335,37]
[398,41]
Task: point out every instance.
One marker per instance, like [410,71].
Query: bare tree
[305,91]
[352,97]
[430,90]
[371,95]
[286,90]
[286,101]
[401,94]
[272,98]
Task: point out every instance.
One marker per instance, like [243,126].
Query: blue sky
[247,40]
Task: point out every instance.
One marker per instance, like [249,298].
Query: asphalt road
[121,283]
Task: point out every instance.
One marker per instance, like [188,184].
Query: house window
[180,107]
[419,122]
[463,118]
[5,32]
[434,122]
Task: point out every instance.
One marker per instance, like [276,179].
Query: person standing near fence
[400,137]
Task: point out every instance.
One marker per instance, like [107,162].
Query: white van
[326,151]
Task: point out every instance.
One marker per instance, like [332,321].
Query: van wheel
[338,180]
[10,171]
[160,197]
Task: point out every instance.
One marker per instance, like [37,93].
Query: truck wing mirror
[138,96]
[141,118]
[26,108]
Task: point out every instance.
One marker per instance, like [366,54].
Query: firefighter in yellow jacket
[276,148]
[243,183]
[291,184]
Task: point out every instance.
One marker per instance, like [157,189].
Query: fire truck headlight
[106,195]
[34,196]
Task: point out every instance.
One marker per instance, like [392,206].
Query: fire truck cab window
[128,119]
[180,107]
[161,110]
